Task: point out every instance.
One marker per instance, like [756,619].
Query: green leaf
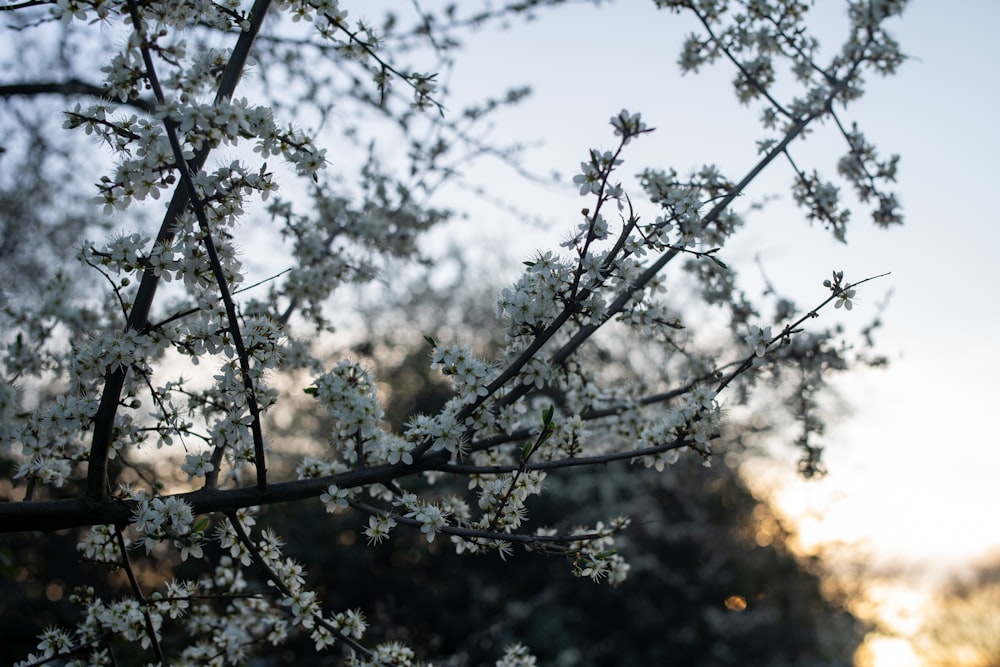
[311,390]
[526,451]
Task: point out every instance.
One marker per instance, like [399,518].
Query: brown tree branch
[50,515]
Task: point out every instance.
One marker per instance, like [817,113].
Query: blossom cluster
[158,518]
[469,374]
[349,395]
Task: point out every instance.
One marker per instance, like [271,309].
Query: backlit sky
[914,465]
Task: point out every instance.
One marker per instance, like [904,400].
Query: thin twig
[127,566]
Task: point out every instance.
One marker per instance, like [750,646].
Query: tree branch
[50,515]
[97,474]
[69,88]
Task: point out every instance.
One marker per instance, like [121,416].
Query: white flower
[379,527]
[589,179]
[701,398]
[399,450]
[845,298]
[55,641]
[516,655]
[146,518]
[593,567]
[627,125]
[758,339]
[352,623]
[431,517]
[335,498]
[198,465]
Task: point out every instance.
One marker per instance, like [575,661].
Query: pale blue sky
[913,468]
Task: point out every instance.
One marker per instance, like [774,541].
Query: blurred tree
[962,627]
[701,590]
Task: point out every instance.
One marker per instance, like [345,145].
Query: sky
[913,462]
[922,422]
